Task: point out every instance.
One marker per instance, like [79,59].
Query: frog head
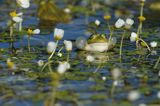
[97,38]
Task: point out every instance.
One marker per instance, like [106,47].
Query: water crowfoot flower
[127,25]
[116,73]
[59,54]
[153,44]
[129,22]
[133,37]
[90,58]
[104,78]
[67,10]
[31,32]
[23,3]
[119,23]
[97,22]
[16,17]
[133,95]
[68,46]
[40,63]
[58,34]
[51,47]
[63,67]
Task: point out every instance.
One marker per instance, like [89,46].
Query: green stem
[112,90]
[109,26]
[99,66]
[158,61]
[111,33]
[139,31]
[49,62]
[21,39]
[29,49]
[68,56]
[121,45]
[11,33]
[145,44]
[49,66]
[60,49]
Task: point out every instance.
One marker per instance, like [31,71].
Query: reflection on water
[82,85]
[49,15]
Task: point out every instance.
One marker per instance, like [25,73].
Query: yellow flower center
[107,17]
[10,64]
[29,32]
[13,14]
[141,18]
[57,37]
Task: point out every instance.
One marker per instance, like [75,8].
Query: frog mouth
[99,40]
[97,47]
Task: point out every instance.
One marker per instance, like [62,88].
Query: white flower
[133,95]
[153,44]
[51,47]
[90,58]
[158,95]
[40,63]
[58,34]
[67,10]
[63,67]
[59,54]
[133,37]
[129,22]
[116,73]
[103,78]
[23,3]
[119,23]
[68,45]
[97,22]
[153,52]
[17,19]
[115,83]
[142,104]
[36,31]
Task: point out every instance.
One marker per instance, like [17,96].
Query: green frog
[96,43]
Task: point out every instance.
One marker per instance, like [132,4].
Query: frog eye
[93,36]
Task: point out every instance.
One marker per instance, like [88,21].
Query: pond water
[80,85]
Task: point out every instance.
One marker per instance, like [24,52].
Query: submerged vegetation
[79,52]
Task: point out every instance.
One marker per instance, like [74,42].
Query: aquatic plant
[30,33]
[68,46]
[120,23]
